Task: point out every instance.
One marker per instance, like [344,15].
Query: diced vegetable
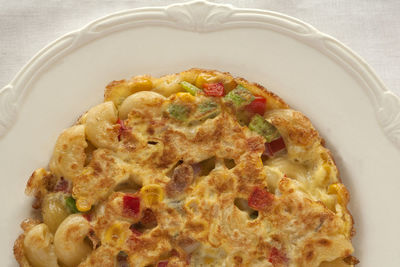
[149,219]
[122,259]
[203,78]
[83,205]
[277,257]
[214,89]
[190,88]
[274,147]
[260,199]
[185,97]
[87,216]
[62,185]
[71,204]
[178,112]
[162,264]
[257,105]
[239,96]
[122,128]
[275,142]
[115,234]
[131,205]
[182,177]
[207,110]
[208,106]
[261,126]
[135,231]
[54,210]
[122,125]
[152,194]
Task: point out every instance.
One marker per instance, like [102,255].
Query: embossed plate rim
[204,16]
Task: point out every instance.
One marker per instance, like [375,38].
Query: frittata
[191,169]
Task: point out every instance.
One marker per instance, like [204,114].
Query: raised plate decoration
[203,16]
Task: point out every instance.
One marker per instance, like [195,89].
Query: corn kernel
[333,188]
[203,78]
[115,235]
[186,97]
[83,205]
[192,205]
[340,191]
[140,83]
[152,194]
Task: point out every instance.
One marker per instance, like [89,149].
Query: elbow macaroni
[69,153]
[142,101]
[39,248]
[101,129]
[54,210]
[69,243]
[167,85]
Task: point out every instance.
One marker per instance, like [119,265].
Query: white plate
[313,72]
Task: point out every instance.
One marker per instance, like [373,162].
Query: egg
[217,171]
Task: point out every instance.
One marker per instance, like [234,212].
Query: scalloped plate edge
[204,16]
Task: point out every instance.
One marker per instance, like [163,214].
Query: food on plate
[191,169]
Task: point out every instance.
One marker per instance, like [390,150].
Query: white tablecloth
[370,27]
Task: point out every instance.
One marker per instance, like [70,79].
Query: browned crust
[299,129]
[305,134]
[352,230]
[19,251]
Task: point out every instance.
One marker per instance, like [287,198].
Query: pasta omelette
[191,169]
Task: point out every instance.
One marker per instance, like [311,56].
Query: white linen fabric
[371,28]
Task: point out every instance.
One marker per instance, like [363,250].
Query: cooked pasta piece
[54,210]
[69,240]
[100,125]
[69,153]
[39,248]
[144,101]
